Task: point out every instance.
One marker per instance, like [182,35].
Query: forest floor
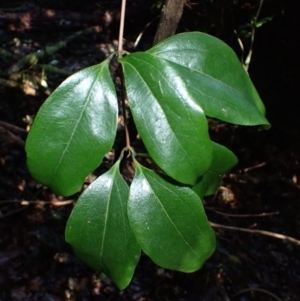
[260,194]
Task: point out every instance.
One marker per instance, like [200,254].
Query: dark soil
[261,193]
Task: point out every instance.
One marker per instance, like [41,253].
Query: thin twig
[241,46]
[142,32]
[248,58]
[123,92]
[258,290]
[26,203]
[247,61]
[261,232]
[242,215]
[123,96]
[121,30]
[259,165]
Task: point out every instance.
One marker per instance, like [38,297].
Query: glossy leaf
[169,222]
[223,160]
[73,130]
[172,125]
[213,76]
[98,228]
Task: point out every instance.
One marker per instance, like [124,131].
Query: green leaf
[223,160]
[213,76]
[169,222]
[98,228]
[172,125]
[73,130]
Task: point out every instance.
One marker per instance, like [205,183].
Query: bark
[169,19]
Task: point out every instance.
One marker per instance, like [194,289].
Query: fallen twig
[258,290]
[26,203]
[62,203]
[242,215]
[261,232]
[245,170]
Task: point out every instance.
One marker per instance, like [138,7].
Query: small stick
[261,232]
[242,215]
[258,290]
[26,203]
[253,167]
[142,32]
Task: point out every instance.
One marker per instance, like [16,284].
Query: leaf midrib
[169,218]
[142,79]
[77,123]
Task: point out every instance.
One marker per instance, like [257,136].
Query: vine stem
[120,53]
[121,29]
[123,93]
